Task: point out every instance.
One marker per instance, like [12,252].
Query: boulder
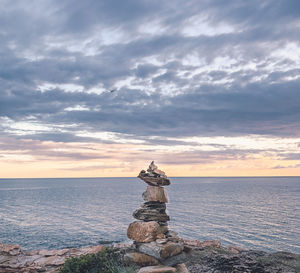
[155,193]
[157,269]
[140,259]
[145,232]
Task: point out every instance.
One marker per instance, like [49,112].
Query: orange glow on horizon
[49,159]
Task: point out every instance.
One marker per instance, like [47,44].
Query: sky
[101,88]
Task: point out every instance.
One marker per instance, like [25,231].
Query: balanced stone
[152,211]
[154,176]
[145,231]
[153,169]
[155,193]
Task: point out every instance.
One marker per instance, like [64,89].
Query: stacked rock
[154,244]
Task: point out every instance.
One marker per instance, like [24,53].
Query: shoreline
[199,256]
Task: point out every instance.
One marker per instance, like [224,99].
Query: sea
[260,213]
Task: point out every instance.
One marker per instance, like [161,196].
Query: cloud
[234,72]
[286,167]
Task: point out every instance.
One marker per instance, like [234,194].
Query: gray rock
[177,259]
[161,251]
[152,211]
[154,180]
[155,193]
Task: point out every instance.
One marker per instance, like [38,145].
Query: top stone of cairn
[154,176]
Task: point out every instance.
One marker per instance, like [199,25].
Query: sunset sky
[101,88]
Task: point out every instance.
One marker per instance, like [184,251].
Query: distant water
[256,213]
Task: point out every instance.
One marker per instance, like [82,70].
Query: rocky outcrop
[14,260]
[198,257]
[151,235]
[210,257]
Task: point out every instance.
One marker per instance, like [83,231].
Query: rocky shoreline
[199,257]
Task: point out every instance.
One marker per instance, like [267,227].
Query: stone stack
[155,246]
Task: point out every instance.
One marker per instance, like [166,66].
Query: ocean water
[256,213]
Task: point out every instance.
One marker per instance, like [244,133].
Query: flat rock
[10,249]
[161,251]
[145,232]
[177,259]
[204,244]
[154,180]
[152,211]
[171,249]
[157,269]
[14,260]
[48,253]
[155,193]
[140,259]
[51,260]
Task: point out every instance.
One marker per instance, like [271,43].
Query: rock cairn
[155,246]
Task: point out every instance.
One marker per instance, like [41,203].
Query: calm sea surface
[258,213]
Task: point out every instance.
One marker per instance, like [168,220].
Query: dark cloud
[291,156]
[168,83]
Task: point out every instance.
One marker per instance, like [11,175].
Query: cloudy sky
[102,87]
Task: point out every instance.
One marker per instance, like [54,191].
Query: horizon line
[78,177]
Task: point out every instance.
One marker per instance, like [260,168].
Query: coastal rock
[161,251]
[145,231]
[152,249]
[157,269]
[51,260]
[9,249]
[152,211]
[181,268]
[177,259]
[204,244]
[48,253]
[155,193]
[171,249]
[140,259]
[234,249]
[14,260]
